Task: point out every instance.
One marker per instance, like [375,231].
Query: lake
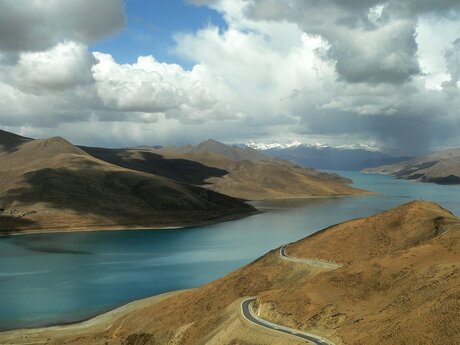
[54,278]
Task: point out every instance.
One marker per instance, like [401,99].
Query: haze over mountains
[399,284]
[441,167]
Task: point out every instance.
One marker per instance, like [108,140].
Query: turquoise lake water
[54,278]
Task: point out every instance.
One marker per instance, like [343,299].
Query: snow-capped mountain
[263,146]
[323,156]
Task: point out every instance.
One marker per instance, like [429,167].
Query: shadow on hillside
[11,224]
[10,142]
[123,197]
[181,170]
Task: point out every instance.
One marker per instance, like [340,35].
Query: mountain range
[238,172]
[52,185]
[329,158]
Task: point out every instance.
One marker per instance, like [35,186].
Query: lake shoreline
[178,226]
[129,228]
[98,319]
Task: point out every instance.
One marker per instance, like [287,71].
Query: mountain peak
[231,152]
[263,147]
[209,142]
[403,227]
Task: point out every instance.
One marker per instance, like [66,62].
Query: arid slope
[266,178]
[50,184]
[440,167]
[400,285]
[240,173]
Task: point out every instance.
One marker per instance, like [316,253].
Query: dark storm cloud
[35,26]
[411,128]
[371,41]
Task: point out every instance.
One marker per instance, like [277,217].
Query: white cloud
[433,46]
[149,86]
[64,66]
[332,71]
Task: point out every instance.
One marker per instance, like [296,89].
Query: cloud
[39,25]
[452,56]
[368,80]
[149,86]
[68,84]
[380,72]
[64,66]
[367,41]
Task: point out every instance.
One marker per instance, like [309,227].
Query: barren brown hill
[441,167]
[51,184]
[247,176]
[401,287]
[267,178]
[147,160]
[231,152]
[9,141]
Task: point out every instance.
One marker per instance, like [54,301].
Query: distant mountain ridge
[441,167]
[233,152]
[263,146]
[239,172]
[253,175]
[332,158]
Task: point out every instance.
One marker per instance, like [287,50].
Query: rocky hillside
[441,167]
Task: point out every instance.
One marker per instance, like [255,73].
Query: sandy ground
[234,330]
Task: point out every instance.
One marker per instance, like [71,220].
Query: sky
[119,73]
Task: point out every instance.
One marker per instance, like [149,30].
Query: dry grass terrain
[50,184]
[400,285]
[241,173]
[441,167]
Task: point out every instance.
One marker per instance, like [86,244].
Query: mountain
[248,175]
[396,280]
[10,141]
[233,152]
[50,184]
[331,158]
[441,167]
[147,159]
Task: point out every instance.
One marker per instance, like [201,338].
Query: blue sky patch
[150,27]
